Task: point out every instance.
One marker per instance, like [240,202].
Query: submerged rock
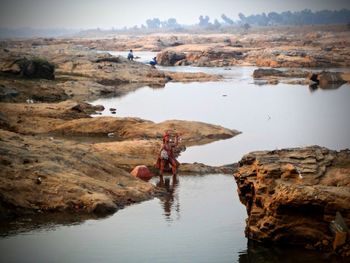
[292,195]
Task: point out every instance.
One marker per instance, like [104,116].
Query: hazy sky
[119,13]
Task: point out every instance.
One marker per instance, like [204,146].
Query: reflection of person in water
[168,200]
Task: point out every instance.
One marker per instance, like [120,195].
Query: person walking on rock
[131,55]
[153,62]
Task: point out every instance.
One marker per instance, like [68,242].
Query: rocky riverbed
[45,167]
[55,157]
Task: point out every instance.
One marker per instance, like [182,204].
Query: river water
[201,220]
[269,116]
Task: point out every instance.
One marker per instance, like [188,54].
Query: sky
[83,14]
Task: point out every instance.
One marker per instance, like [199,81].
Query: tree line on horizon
[287,18]
[304,17]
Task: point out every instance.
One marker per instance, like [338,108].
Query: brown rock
[74,177]
[326,78]
[169,58]
[339,239]
[142,172]
[289,197]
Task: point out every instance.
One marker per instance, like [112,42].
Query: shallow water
[201,220]
[269,116]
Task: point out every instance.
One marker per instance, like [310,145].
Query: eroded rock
[326,78]
[292,195]
[74,178]
[170,58]
[30,68]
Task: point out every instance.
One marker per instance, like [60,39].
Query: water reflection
[170,201]
[331,86]
[259,253]
[42,222]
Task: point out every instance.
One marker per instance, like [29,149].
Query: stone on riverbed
[142,172]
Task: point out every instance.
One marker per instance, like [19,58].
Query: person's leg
[173,166]
[161,169]
[161,181]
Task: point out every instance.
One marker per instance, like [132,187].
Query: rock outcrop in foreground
[292,196]
[41,175]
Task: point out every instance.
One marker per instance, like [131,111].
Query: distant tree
[172,23]
[274,18]
[242,17]
[216,24]
[204,21]
[164,24]
[246,26]
[304,17]
[153,23]
[263,20]
[227,20]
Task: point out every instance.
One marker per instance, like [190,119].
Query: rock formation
[54,157]
[292,195]
[73,178]
[43,169]
[29,68]
[170,58]
[325,78]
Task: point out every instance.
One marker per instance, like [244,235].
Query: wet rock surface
[292,195]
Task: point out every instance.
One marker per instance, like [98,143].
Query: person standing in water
[167,155]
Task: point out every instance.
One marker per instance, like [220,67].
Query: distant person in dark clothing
[153,62]
[131,55]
